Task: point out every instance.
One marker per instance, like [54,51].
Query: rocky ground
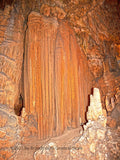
[92,143]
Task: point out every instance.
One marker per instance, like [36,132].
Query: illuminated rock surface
[64,48]
[94,142]
[54,78]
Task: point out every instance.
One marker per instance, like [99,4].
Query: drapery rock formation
[57,68]
[54,79]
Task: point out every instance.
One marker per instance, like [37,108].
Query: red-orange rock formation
[11,54]
[11,59]
[56,77]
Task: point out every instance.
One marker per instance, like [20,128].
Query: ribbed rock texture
[41,34]
[11,59]
[11,54]
[93,143]
[54,79]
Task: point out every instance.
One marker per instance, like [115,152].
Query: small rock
[48,151]
[103,122]
[73,153]
[101,134]
[92,147]
[92,134]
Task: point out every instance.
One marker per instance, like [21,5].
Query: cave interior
[60,79]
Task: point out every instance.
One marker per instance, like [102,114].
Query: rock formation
[54,76]
[95,110]
[11,59]
[11,54]
[52,53]
[93,142]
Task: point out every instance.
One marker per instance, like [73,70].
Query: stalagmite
[95,111]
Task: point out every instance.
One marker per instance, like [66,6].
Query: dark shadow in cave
[18,108]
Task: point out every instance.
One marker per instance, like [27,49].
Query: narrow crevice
[20,104]
[18,108]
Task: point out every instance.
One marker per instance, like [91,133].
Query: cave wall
[11,54]
[11,59]
[95,24]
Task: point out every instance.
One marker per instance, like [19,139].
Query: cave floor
[28,149]
[72,145]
